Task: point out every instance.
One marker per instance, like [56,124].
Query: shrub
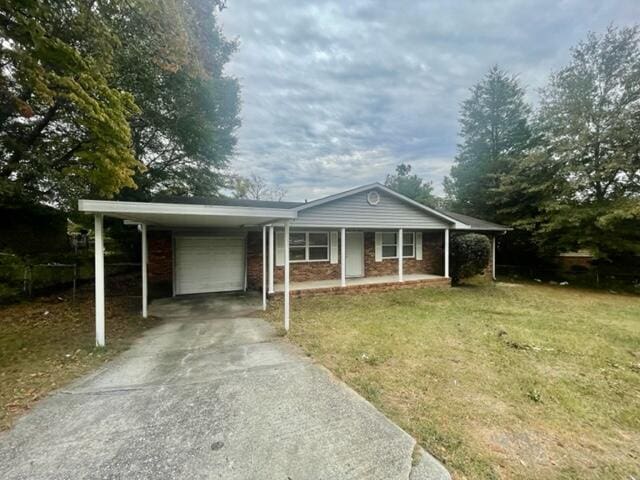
[469,255]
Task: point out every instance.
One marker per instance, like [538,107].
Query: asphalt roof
[474,223]
[227,202]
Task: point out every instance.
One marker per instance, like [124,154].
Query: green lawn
[498,381]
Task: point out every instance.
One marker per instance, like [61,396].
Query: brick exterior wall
[160,263]
[373,287]
[432,257]
[432,262]
[254,260]
[299,272]
[307,271]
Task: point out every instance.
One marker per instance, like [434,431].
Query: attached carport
[194,249]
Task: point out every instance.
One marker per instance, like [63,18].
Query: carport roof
[186,215]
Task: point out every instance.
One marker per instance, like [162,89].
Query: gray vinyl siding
[355,212]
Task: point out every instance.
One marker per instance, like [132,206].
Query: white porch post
[264,268]
[446,252]
[286,276]
[99,277]
[493,257]
[343,257]
[400,252]
[271,249]
[143,231]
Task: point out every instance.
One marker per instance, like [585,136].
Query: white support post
[271,250]
[145,254]
[343,257]
[446,253]
[493,257]
[99,277]
[286,276]
[264,268]
[400,252]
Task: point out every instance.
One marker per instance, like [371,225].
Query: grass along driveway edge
[496,380]
[50,341]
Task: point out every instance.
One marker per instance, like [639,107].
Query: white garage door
[209,264]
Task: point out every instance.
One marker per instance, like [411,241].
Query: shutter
[279,249]
[334,247]
[378,247]
[418,245]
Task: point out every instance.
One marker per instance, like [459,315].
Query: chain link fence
[612,277]
[21,278]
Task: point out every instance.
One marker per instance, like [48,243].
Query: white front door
[209,264]
[355,254]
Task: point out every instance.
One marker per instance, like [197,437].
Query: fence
[23,278]
[28,279]
[596,276]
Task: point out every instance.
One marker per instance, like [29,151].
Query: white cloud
[337,93]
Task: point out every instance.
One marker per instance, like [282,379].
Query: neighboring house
[221,245]
[569,261]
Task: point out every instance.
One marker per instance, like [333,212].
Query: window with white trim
[409,245]
[309,246]
[390,245]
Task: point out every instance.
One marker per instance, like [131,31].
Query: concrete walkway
[211,393]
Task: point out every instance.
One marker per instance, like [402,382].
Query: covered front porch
[362,283]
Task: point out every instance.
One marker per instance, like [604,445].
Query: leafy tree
[469,254]
[411,185]
[184,133]
[64,127]
[97,96]
[590,122]
[495,133]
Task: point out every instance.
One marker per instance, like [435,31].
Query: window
[390,245]
[409,245]
[309,246]
[318,246]
[297,247]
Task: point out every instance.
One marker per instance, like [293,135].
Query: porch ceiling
[181,215]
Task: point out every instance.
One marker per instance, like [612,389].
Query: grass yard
[48,342]
[498,381]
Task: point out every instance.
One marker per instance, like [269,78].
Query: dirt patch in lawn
[48,342]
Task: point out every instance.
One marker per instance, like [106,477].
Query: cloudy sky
[335,94]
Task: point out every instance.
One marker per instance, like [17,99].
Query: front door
[355,254]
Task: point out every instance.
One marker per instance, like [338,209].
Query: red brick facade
[432,257]
[372,287]
[160,263]
[254,260]
[299,272]
[432,262]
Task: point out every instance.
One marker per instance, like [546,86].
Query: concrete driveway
[212,392]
